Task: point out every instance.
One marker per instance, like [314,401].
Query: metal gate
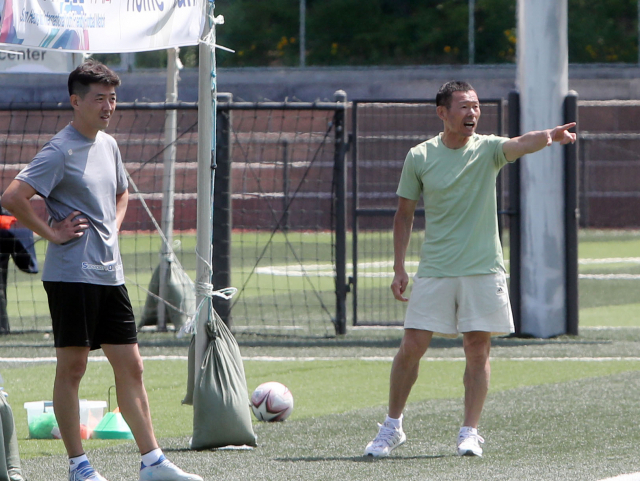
[383,131]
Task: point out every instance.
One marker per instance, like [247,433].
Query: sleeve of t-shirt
[121,173]
[410,185]
[499,158]
[45,171]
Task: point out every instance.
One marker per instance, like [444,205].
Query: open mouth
[470,124]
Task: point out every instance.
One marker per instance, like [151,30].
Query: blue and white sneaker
[165,470]
[85,472]
[469,442]
[388,439]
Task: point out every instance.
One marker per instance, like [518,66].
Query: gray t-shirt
[73,173]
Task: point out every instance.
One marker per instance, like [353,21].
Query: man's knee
[132,370]
[71,364]
[477,346]
[414,344]
[125,359]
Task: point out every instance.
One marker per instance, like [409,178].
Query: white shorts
[451,305]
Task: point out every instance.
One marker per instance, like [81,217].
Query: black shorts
[90,315]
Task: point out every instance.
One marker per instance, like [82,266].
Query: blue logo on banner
[153,5]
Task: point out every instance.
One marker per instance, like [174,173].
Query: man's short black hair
[446,91]
[90,72]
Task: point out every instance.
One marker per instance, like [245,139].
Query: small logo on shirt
[70,152]
[500,290]
[97,267]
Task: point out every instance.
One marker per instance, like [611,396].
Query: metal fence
[609,164]
[299,228]
[383,133]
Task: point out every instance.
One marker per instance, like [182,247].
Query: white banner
[101,26]
[31,60]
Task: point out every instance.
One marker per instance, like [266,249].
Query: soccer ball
[271,401]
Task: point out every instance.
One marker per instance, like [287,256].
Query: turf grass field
[558,409]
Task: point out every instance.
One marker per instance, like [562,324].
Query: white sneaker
[85,472]
[469,442]
[388,439]
[165,470]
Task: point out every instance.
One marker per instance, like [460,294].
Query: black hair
[90,72]
[446,92]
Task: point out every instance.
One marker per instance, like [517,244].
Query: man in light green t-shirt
[461,285]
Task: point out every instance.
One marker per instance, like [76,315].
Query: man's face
[94,110]
[461,117]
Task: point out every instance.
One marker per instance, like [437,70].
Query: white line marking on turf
[443,359]
[624,477]
[33,360]
[28,360]
[382,269]
[607,328]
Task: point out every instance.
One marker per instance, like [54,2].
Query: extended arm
[122,200]
[402,226]
[537,140]
[16,199]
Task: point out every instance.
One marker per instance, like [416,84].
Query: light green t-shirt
[459,190]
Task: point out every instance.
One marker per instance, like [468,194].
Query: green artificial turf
[320,388]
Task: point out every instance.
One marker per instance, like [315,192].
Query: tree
[404,32]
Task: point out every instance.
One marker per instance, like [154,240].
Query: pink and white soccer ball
[271,401]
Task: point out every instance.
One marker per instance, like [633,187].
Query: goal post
[206,176]
[546,242]
[571,213]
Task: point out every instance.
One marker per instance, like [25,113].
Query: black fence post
[572,216]
[340,209]
[222,209]
[501,175]
[353,148]
[286,185]
[514,217]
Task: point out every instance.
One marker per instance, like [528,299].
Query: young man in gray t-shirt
[81,177]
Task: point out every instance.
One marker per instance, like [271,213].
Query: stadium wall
[592,82]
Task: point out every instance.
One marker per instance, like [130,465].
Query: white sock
[396,423]
[151,457]
[468,429]
[73,462]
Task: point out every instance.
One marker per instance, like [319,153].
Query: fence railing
[293,203]
[383,133]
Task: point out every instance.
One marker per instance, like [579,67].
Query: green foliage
[495,40]
[410,32]
[110,59]
[399,32]
[151,59]
[603,31]
[261,33]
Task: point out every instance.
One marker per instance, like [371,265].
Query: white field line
[625,477]
[382,269]
[34,360]
[607,328]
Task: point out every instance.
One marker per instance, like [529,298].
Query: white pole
[168,181]
[206,152]
[126,61]
[472,31]
[303,32]
[543,83]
